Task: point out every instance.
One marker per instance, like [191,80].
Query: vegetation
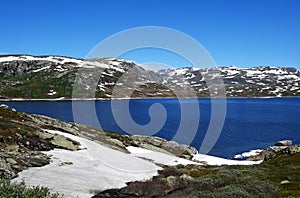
[19,190]
[37,85]
[263,180]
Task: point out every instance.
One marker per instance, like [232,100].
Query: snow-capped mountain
[25,76]
[241,82]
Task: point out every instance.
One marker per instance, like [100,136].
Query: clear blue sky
[235,32]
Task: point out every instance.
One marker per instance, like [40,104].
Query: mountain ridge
[53,77]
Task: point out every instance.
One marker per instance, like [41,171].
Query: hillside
[53,77]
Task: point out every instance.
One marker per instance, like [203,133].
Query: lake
[250,123]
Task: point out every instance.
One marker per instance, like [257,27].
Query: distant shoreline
[107,99]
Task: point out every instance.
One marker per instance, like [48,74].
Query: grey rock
[284,143]
[46,135]
[4,106]
[63,142]
[11,161]
[186,177]
[284,182]
[171,180]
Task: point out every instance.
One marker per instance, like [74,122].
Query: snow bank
[157,157]
[248,154]
[97,168]
[211,160]
[80,173]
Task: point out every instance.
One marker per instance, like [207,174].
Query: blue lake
[250,123]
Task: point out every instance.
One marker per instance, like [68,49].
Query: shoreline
[137,98]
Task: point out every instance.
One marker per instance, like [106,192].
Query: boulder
[284,143]
[65,143]
[4,106]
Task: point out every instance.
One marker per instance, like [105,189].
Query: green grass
[37,85]
[19,190]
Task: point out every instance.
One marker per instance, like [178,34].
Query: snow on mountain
[136,81]
[246,82]
[55,59]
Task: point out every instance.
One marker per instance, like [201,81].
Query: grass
[19,190]
[37,85]
[255,181]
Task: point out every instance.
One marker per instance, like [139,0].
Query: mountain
[53,77]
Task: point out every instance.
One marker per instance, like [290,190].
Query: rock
[5,170]
[277,148]
[38,161]
[45,135]
[162,145]
[155,141]
[12,149]
[154,148]
[284,143]
[295,149]
[180,150]
[4,106]
[186,177]
[66,163]
[63,142]
[171,180]
[3,165]
[11,161]
[284,182]
[116,142]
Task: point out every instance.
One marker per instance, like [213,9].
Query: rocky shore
[279,148]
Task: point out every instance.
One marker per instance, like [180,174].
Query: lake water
[254,123]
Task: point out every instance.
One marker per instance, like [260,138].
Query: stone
[63,142]
[37,161]
[12,149]
[171,180]
[186,177]
[11,161]
[284,182]
[4,106]
[284,143]
[45,135]
[117,142]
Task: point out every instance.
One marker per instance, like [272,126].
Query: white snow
[55,59]
[41,69]
[212,160]
[158,157]
[248,154]
[52,93]
[94,168]
[252,72]
[231,72]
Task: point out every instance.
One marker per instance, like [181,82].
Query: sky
[243,33]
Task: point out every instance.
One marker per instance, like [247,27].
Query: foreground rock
[22,141]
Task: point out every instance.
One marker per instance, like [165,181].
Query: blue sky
[235,32]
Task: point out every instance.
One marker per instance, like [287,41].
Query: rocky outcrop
[284,143]
[157,144]
[280,148]
[22,141]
